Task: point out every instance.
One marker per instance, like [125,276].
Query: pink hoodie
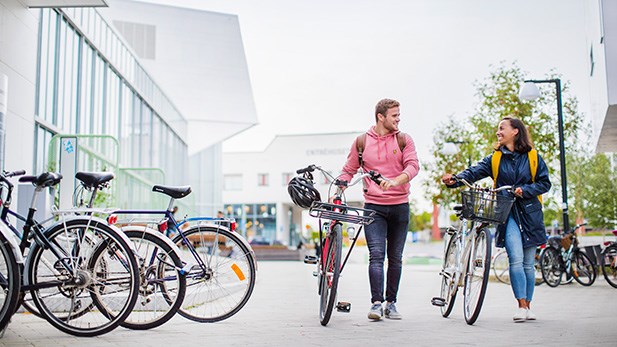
[382,154]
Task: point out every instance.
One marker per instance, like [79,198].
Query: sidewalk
[283,311]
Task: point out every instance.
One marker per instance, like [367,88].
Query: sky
[320,66]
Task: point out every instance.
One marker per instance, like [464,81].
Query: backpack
[360,140]
[533,166]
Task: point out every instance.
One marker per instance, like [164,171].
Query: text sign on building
[68,169]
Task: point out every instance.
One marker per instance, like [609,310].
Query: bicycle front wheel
[85,282]
[583,270]
[10,281]
[449,282]
[329,272]
[162,286]
[222,276]
[476,277]
[501,267]
[551,265]
[609,264]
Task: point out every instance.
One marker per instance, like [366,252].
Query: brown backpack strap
[402,141]
[360,147]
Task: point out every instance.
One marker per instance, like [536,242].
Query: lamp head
[529,91]
[449,148]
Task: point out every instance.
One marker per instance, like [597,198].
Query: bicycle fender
[154,233]
[93,219]
[10,236]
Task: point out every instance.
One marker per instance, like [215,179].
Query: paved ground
[283,311]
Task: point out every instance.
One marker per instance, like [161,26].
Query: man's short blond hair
[384,105]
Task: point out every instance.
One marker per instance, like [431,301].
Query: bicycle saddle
[94,179]
[172,191]
[44,180]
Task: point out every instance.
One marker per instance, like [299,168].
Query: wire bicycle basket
[486,206]
[342,213]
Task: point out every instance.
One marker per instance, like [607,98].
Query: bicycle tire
[477,274]
[330,272]
[501,267]
[162,287]
[10,282]
[552,266]
[224,286]
[107,277]
[583,269]
[609,264]
[449,285]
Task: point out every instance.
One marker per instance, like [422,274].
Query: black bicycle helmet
[302,192]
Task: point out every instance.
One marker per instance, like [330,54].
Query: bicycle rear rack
[342,213]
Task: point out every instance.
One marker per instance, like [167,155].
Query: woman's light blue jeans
[522,272]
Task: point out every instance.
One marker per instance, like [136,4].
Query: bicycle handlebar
[374,176]
[458,179]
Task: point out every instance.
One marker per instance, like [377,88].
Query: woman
[524,229]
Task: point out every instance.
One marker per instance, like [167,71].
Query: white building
[602,41]
[255,183]
[140,86]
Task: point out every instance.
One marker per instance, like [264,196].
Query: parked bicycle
[567,258]
[608,262]
[329,261]
[501,266]
[80,272]
[219,264]
[467,255]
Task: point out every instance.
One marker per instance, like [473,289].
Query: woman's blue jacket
[514,170]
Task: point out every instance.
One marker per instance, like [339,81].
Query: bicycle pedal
[315,273]
[478,263]
[310,259]
[343,306]
[441,302]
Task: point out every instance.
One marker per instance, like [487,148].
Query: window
[287,176]
[262,180]
[232,182]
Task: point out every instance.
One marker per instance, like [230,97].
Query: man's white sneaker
[376,311]
[520,315]
[531,315]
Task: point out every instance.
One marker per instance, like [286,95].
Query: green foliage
[596,190]
[498,98]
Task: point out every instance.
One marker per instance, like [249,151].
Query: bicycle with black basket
[329,261]
[467,258]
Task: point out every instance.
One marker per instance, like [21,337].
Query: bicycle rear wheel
[449,285]
[10,280]
[537,267]
[222,278]
[329,272]
[609,264]
[91,285]
[583,270]
[501,267]
[551,266]
[476,277]
[162,287]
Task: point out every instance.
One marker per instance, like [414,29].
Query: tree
[498,98]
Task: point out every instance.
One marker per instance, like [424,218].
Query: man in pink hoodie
[390,199]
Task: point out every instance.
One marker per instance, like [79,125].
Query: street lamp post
[530,91]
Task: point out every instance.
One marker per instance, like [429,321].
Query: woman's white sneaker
[531,315]
[520,315]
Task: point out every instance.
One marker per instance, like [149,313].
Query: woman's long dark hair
[522,142]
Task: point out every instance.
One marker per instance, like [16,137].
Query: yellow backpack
[533,166]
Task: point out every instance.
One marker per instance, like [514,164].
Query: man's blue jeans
[522,272]
[386,235]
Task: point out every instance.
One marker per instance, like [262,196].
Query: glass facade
[257,222]
[89,82]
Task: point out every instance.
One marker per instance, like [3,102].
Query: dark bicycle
[565,257]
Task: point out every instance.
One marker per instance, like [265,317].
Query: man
[392,154]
